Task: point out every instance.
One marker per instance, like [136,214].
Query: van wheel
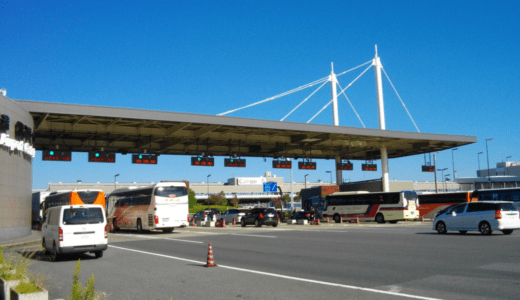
[55,256]
[337,219]
[485,228]
[380,219]
[507,231]
[114,225]
[99,253]
[392,222]
[243,223]
[257,223]
[45,251]
[139,226]
[463,231]
[167,230]
[274,225]
[441,228]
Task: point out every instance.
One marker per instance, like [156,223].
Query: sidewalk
[33,239]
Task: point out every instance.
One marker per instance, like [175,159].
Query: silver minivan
[483,216]
[74,229]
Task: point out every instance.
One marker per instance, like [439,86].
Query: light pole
[442,172]
[478,156]
[115,176]
[507,157]
[330,172]
[306,180]
[487,154]
[453,162]
[207,183]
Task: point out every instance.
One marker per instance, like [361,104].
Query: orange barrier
[210,263]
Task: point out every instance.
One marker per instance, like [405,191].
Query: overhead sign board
[270,187]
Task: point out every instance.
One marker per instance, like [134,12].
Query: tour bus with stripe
[431,203]
[379,207]
[162,206]
[73,197]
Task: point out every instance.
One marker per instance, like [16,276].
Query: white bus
[162,206]
[379,207]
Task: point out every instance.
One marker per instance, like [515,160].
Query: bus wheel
[139,226]
[392,222]
[380,219]
[167,230]
[337,219]
[114,225]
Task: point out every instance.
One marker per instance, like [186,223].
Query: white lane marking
[352,287]
[255,235]
[158,238]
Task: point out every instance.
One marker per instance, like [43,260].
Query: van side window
[54,217]
[460,209]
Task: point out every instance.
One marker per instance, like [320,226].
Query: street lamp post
[478,156]
[207,184]
[442,172]
[330,172]
[115,176]
[487,154]
[306,180]
[453,162]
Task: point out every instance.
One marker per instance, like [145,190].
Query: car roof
[488,201]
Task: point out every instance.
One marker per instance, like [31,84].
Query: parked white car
[483,216]
[233,214]
[74,229]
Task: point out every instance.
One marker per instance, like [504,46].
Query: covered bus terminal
[27,126]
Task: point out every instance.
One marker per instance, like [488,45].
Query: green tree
[191,199]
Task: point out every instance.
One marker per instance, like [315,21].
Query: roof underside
[82,128]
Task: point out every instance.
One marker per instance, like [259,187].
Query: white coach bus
[162,206]
[379,207]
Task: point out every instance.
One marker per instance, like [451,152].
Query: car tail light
[261,215]
[60,234]
[106,231]
[498,215]
[156,219]
[307,215]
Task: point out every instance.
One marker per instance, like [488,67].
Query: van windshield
[82,215]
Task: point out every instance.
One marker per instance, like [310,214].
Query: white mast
[335,119]
[382,126]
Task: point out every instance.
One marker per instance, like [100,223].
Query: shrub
[78,291]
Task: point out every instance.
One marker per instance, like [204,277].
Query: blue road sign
[270,187]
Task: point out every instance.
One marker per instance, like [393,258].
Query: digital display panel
[368,167]
[203,161]
[428,169]
[306,165]
[345,166]
[144,159]
[56,155]
[104,157]
[234,162]
[282,164]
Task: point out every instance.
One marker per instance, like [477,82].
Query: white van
[74,229]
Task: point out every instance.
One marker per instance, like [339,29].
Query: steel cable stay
[279,95]
[292,91]
[400,100]
[368,62]
[304,100]
[352,107]
[350,84]
[320,111]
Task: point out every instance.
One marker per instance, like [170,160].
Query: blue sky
[454,64]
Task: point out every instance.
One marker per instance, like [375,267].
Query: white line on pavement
[255,235]
[158,238]
[352,287]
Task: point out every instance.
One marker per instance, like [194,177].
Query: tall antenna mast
[381,110]
[333,84]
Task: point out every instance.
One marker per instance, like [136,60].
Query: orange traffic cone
[193,222]
[234,221]
[210,262]
[328,219]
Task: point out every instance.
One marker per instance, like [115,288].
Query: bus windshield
[171,191]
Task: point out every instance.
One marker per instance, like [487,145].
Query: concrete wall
[15,179]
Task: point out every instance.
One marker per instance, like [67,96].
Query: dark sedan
[260,216]
[301,215]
